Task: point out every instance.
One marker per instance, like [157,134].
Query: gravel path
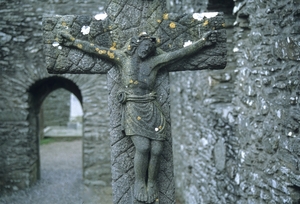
[61,177]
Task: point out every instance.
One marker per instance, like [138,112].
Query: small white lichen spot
[237,179]
[59,47]
[204,141]
[55,44]
[187,43]
[235,49]
[100,16]
[85,30]
[200,16]
[156,129]
[242,156]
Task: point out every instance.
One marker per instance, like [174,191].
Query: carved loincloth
[142,116]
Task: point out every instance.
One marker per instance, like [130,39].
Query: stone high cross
[136,44]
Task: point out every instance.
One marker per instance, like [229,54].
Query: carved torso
[138,77]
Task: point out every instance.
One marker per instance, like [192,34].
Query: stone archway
[40,89]
[20,166]
[37,93]
[22,64]
[92,94]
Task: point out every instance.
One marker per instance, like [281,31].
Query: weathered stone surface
[23,65]
[255,112]
[256,97]
[56,108]
[170,31]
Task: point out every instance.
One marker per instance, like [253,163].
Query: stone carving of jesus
[142,118]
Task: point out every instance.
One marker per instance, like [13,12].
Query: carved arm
[102,52]
[170,57]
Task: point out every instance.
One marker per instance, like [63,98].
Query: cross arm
[166,58]
[176,31]
[112,55]
[80,54]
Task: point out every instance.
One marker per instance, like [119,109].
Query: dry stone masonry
[249,110]
[25,83]
[56,112]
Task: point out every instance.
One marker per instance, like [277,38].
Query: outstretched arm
[103,52]
[207,39]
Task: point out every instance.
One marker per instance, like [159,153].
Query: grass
[49,140]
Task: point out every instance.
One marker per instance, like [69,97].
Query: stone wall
[56,108]
[25,83]
[267,92]
[236,131]
[201,113]
[188,6]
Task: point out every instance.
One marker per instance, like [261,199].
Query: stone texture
[170,30]
[267,96]
[25,83]
[252,104]
[56,108]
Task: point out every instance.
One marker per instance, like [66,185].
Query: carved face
[146,48]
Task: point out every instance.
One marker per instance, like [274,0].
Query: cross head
[137,43]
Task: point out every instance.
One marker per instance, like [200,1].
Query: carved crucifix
[137,44]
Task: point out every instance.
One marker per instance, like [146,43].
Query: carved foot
[140,191]
[152,192]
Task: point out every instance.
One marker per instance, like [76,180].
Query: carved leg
[156,150]
[141,161]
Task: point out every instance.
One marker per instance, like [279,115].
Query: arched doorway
[37,94]
[95,138]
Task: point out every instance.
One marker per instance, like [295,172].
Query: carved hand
[66,38]
[210,37]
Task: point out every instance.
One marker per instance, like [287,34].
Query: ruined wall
[21,66]
[204,140]
[236,131]
[267,91]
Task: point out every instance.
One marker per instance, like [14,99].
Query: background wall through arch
[55,109]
